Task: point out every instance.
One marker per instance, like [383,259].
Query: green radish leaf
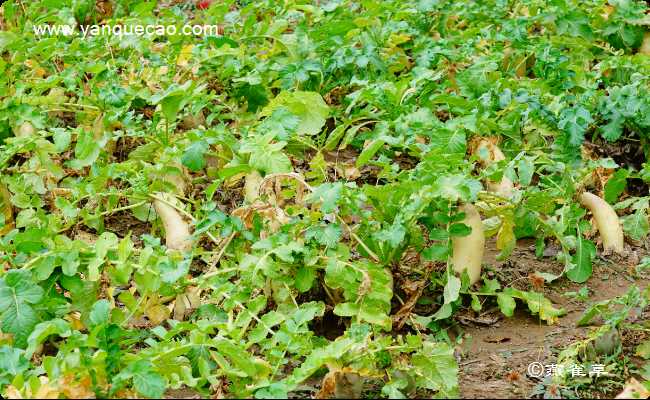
[437,252]
[99,313]
[309,107]
[86,150]
[45,329]
[444,312]
[350,134]
[149,384]
[328,194]
[334,137]
[237,356]
[636,225]
[171,105]
[369,152]
[476,303]
[452,289]
[437,369]
[506,304]
[194,158]
[12,361]
[643,350]
[525,170]
[305,278]
[17,295]
[506,240]
[616,185]
[459,230]
[537,304]
[582,261]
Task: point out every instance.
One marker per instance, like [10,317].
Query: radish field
[324,199]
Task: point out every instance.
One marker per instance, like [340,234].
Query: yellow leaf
[46,390]
[157,314]
[506,240]
[5,205]
[155,311]
[74,388]
[75,321]
[395,39]
[184,56]
[362,22]
[12,393]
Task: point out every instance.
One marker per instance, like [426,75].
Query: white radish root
[252,184]
[645,45]
[468,250]
[505,187]
[26,129]
[607,222]
[176,180]
[177,230]
[494,152]
[634,389]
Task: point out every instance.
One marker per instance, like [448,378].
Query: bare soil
[497,350]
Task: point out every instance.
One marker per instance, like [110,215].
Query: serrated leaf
[537,304]
[437,368]
[636,225]
[12,361]
[327,235]
[454,187]
[266,155]
[575,121]
[490,286]
[328,194]
[613,129]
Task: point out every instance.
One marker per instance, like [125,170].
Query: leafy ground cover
[284,208]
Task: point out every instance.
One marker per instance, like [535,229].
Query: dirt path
[495,357]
